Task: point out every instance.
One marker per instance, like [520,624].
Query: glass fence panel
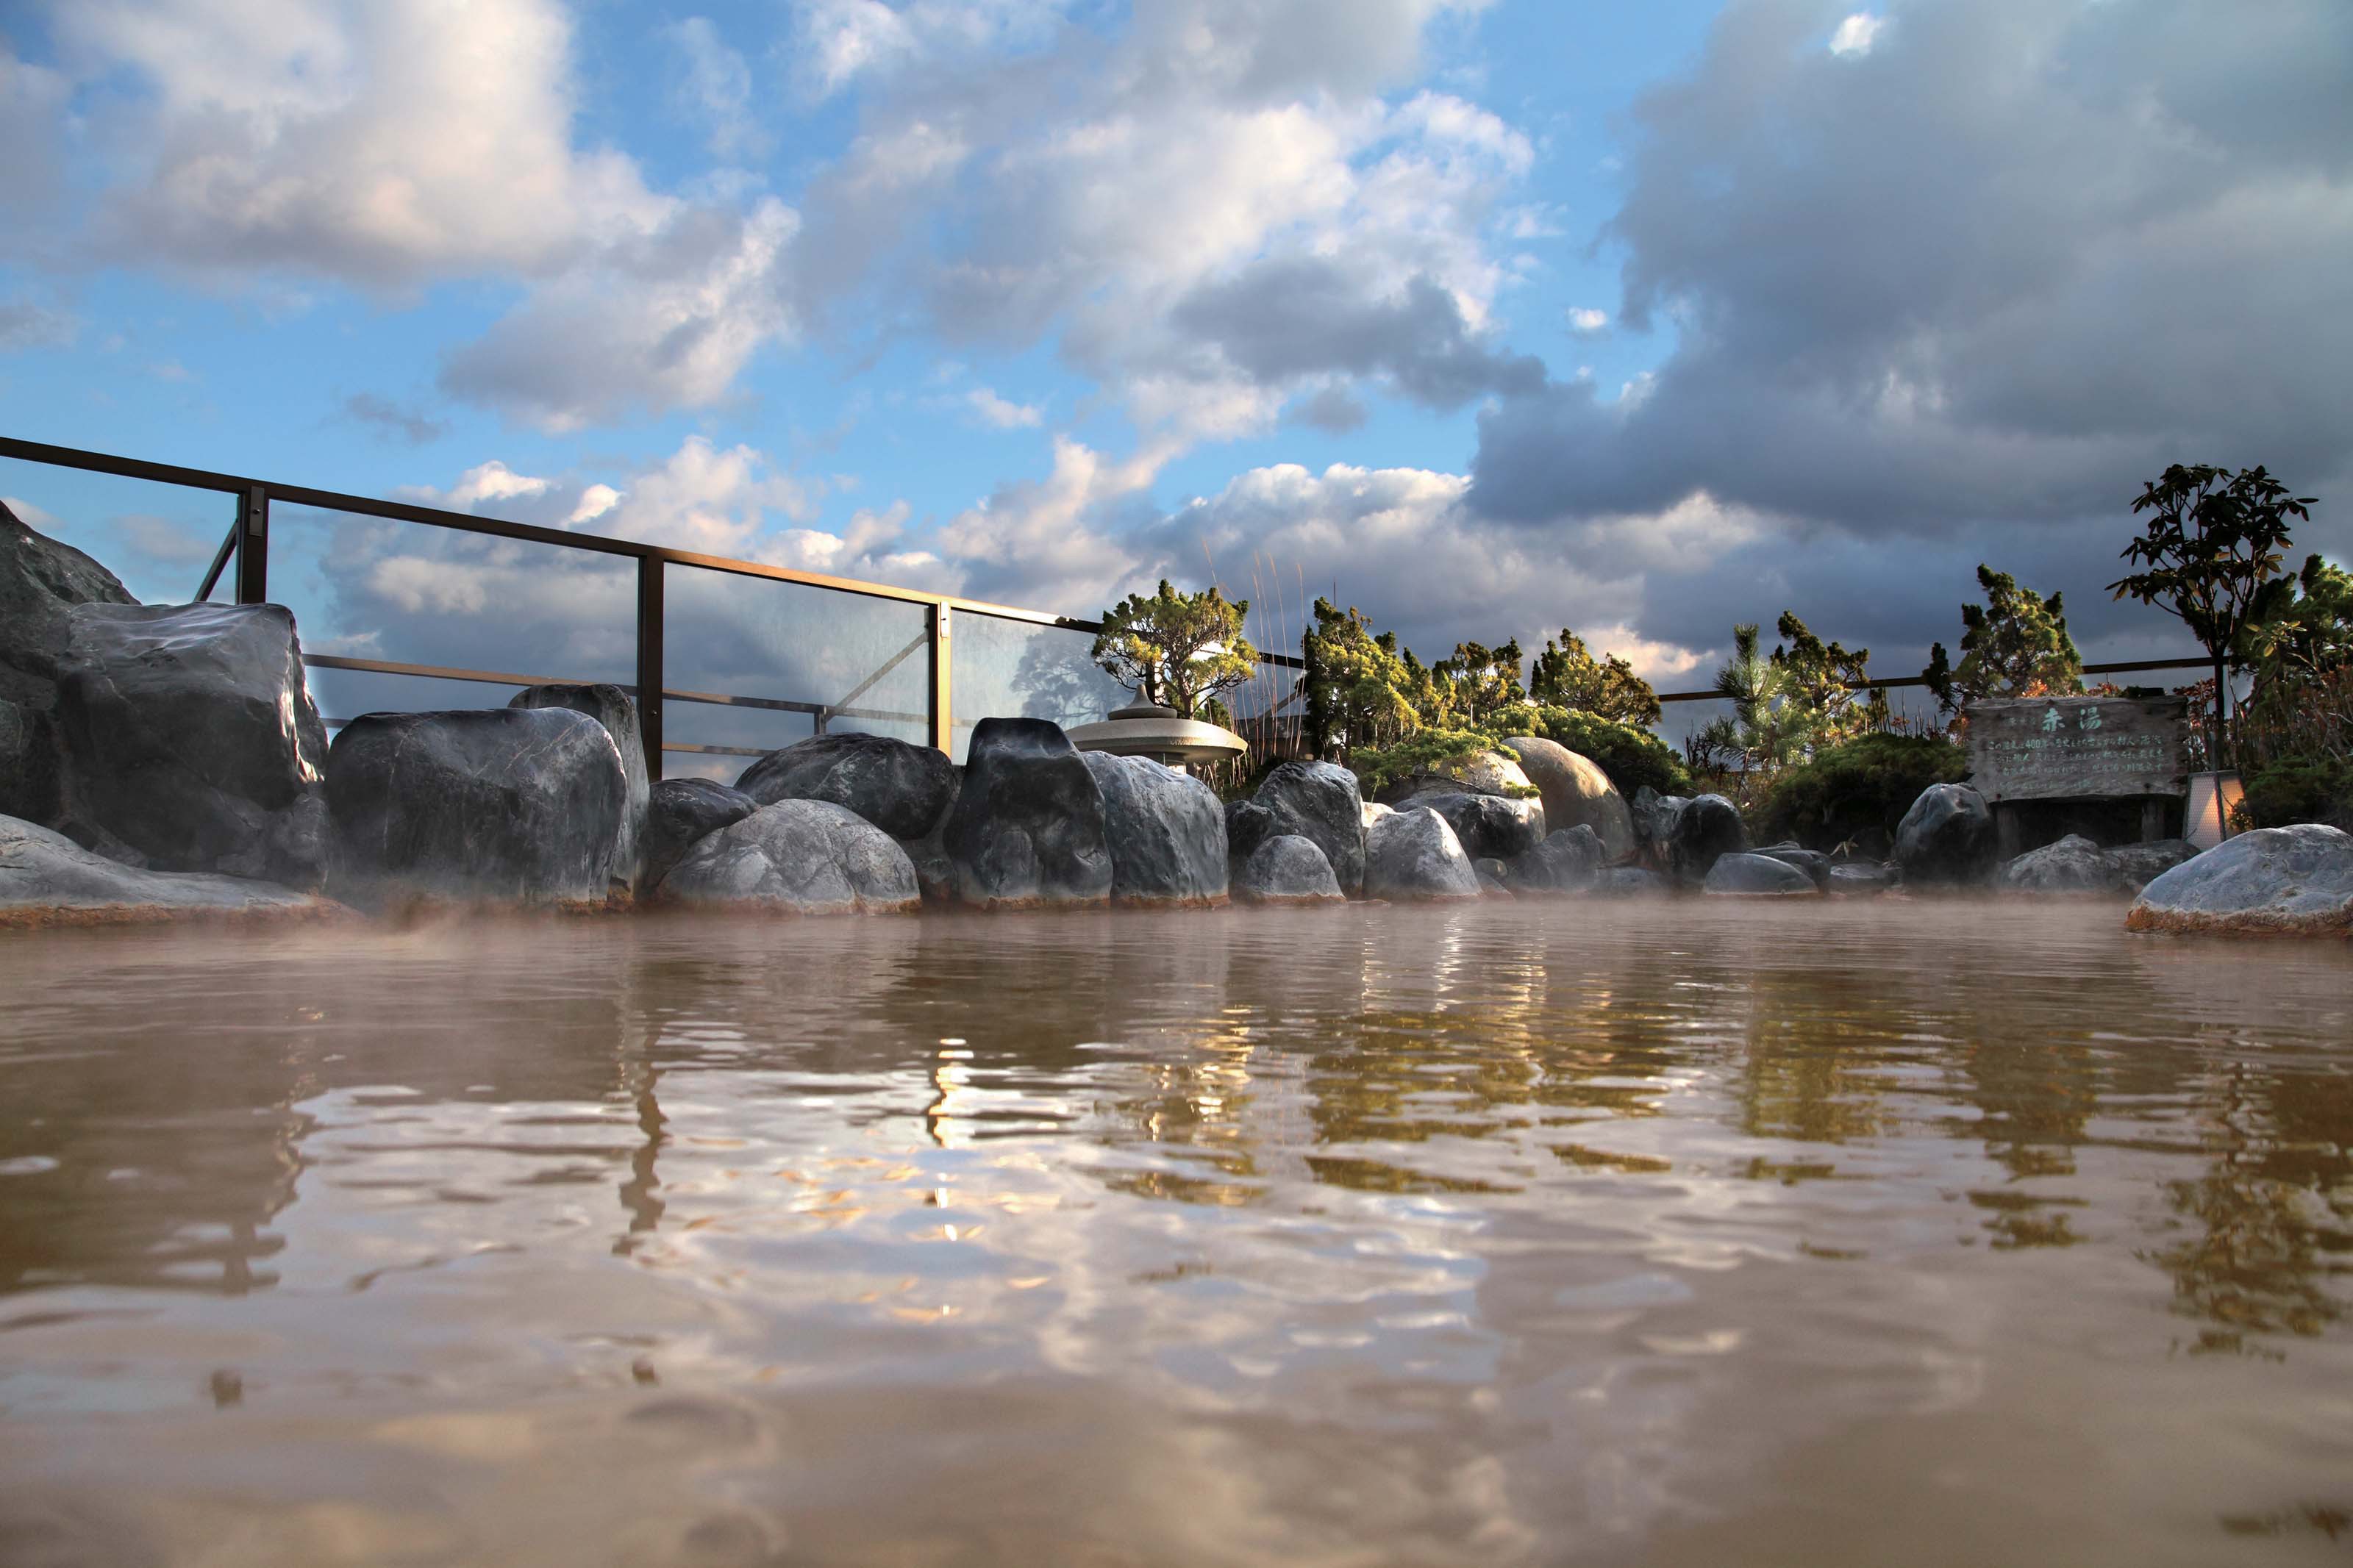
[845,661]
[157,538]
[1008,668]
[372,588]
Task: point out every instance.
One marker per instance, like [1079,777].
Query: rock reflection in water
[1680,1235]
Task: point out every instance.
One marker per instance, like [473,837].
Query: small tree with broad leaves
[2214,539]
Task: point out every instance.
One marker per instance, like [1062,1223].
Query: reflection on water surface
[1659,1234]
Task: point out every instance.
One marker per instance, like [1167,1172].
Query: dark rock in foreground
[1623,880]
[191,738]
[618,711]
[1491,826]
[1414,856]
[1027,827]
[796,857]
[1946,838]
[1753,876]
[522,804]
[1248,825]
[2287,880]
[40,580]
[1703,829]
[1321,801]
[1167,831]
[901,788]
[28,763]
[1858,881]
[1288,869]
[2072,865]
[1569,860]
[680,812]
[1812,862]
[46,878]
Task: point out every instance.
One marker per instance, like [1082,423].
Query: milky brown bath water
[1600,1232]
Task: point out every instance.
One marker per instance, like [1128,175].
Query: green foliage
[2308,789]
[1631,757]
[1568,675]
[1822,682]
[1867,783]
[1425,751]
[1461,691]
[2014,645]
[2214,539]
[2302,626]
[1357,685]
[1180,649]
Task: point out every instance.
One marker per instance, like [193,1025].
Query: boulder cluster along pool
[164,760]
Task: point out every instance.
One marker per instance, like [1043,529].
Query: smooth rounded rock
[1575,791]
[1028,829]
[1569,860]
[1630,881]
[1491,826]
[1413,855]
[2286,880]
[1861,880]
[46,878]
[680,812]
[900,787]
[1945,838]
[1288,869]
[496,804]
[1812,862]
[2141,864]
[1742,875]
[2072,865]
[618,711]
[1493,772]
[800,858]
[190,736]
[1704,828]
[1322,801]
[1167,831]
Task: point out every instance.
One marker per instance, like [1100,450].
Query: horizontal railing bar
[2124,667]
[529,533]
[670,693]
[714,750]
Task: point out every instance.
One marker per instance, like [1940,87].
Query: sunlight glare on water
[1640,1233]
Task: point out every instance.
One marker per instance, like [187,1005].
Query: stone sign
[2063,748]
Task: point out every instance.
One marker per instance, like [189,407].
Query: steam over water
[1612,1233]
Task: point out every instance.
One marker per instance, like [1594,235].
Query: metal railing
[244,557]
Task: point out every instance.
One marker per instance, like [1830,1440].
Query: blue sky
[1494,318]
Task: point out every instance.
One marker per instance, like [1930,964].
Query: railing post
[942,711]
[253,546]
[650,662]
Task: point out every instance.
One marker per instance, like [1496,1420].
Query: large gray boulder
[1946,838]
[1167,831]
[618,711]
[901,788]
[1321,801]
[497,804]
[1740,875]
[1492,771]
[2293,880]
[1704,828]
[1248,825]
[1414,856]
[1812,862]
[2141,864]
[40,580]
[796,857]
[1861,880]
[191,738]
[28,763]
[1569,860]
[1575,791]
[680,814]
[1288,869]
[2072,865]
[1028,830]
[1654,816]
[46,878]
[1491,826]
[1630,881]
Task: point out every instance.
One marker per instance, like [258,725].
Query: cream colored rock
[1575,790]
